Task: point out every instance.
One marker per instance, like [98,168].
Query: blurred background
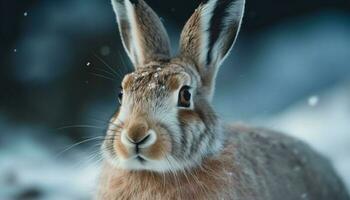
[61,63]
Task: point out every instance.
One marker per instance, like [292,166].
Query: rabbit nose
[147,140]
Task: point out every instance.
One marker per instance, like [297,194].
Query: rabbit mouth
[140,158]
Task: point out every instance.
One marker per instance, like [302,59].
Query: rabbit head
[165,121]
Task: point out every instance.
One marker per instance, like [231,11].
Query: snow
[297,168]
[325,127]
[313,101]
[31,169]
[304,196]
[25,14]
[152,85]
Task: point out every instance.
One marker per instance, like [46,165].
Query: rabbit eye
[184,97]
[120,96]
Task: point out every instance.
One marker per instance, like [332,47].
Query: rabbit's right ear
[143,34]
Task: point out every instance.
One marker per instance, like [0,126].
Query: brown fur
[162,146]
[191,38]
[173,83]
[154,45]
[136,131]
[188,116]
[120,149]
[127,82]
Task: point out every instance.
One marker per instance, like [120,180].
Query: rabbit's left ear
[209,35]
[143,34]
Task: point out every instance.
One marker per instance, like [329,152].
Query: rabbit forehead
[157,78]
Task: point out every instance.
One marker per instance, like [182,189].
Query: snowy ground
[323,121]
[32,167]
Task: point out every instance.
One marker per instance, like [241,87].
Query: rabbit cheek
[120,149]
[192,126]
[188,116]
[159,149]
[190,120]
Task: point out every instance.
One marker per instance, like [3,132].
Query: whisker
[81,126]
[102,76]
[76,144]
[105,71]
[94,158]
[124,68]
[108,66]
[108,121]
[124,65]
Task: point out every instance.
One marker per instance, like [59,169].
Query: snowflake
[296,168]
[313,101]
[304,196]
[152,85]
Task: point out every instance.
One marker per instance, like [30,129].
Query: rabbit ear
[209,35]
[143,34]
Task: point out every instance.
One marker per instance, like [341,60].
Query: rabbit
[167,142]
